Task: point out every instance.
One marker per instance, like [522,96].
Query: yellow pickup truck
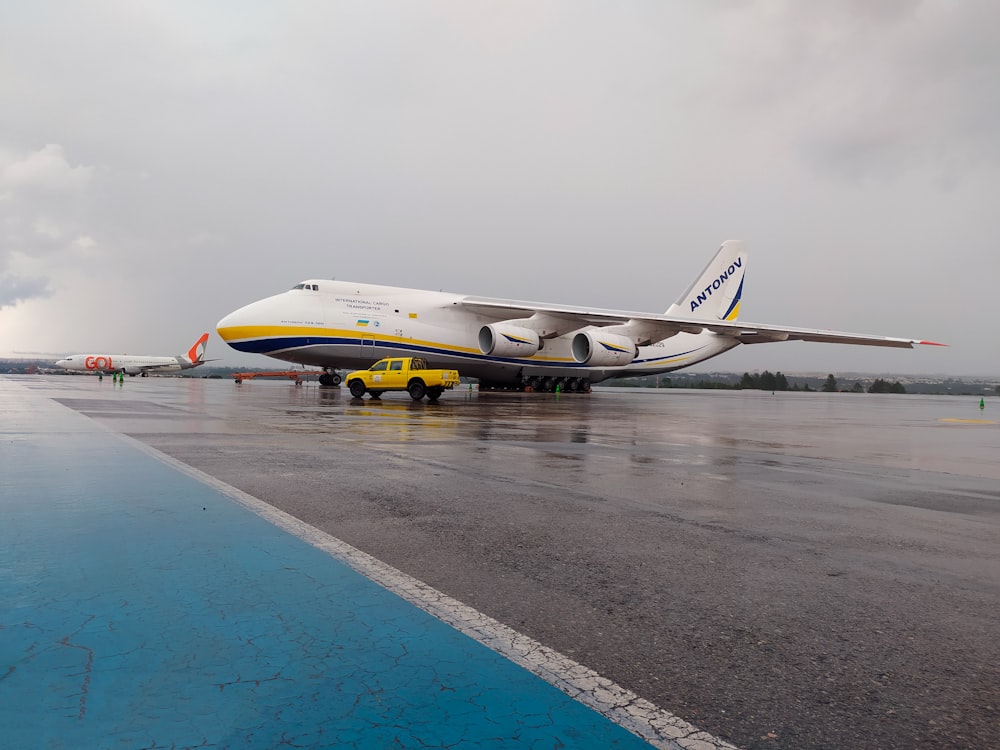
[410,374]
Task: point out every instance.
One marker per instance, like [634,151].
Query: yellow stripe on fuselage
[251,333]
[243,333]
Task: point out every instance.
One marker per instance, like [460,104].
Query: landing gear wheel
[376,395]
[417,390]
[335,378]
[435,392]
[357,387]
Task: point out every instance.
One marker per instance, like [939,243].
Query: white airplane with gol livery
[511,344]
[137,364]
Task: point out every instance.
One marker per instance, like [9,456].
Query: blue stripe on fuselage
[273,346]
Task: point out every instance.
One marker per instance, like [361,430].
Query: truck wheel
[357,388]
[417,389]
[434,392]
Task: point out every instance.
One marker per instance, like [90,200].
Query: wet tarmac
[783,571]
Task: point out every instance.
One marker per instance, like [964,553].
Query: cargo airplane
[508,343]
[137,364]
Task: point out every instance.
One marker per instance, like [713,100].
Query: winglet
[931,343]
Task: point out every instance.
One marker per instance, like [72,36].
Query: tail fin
[196,354]
[716,293]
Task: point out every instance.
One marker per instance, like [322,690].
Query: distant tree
[830,385]
[806,387]
[884,386]
[997,389]
[857,388]
[766,381]
[712,385]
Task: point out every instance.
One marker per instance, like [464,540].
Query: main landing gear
[547,384]
[540,384]
[330,378]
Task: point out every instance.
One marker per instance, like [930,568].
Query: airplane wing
[658,327]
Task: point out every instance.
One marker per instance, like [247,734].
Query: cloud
[862,90]
[15,289]
[46,169]
[45,217]
[87,248]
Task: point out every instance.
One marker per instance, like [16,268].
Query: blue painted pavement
[141,608]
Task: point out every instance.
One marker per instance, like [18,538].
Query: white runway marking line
[660,728]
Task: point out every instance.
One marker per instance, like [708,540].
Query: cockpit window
[310,287]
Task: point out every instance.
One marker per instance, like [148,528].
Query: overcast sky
[163,163]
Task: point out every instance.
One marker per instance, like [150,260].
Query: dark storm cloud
[15,289]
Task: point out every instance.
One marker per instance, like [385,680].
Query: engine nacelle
[603,349]
[508,341]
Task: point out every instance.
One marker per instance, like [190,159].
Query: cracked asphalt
[782,571]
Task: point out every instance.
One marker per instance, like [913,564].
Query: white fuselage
[133,364]
[336,324]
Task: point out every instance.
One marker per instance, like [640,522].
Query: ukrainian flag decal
[362,323]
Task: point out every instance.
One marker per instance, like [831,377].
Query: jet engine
[508,341]
[603,349]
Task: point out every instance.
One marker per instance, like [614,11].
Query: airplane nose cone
[234,326]
[272,324]
[230,321]
[246,328]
